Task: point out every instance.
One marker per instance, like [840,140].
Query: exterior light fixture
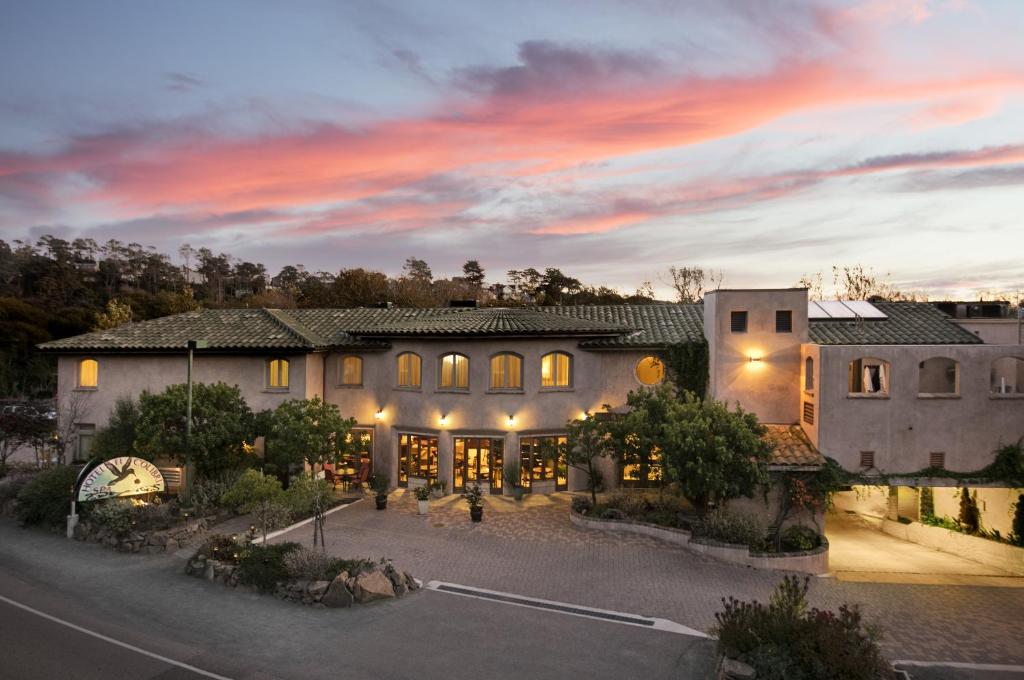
[444,419]
[584,415]
[753,359]
[379,415]
[511,419]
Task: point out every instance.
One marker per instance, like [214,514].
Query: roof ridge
[295,327]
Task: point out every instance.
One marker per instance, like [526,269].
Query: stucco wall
[993,331]
[769,387]
[996,506]
[903,428]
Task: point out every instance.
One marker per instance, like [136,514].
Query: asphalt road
[146,602]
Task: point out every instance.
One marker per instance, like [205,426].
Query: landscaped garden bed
[731,537]
[138,527]
[293,572]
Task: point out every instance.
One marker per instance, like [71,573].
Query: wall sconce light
[511,420]
[444,419]
[753,359]
[379,415]
[584,415]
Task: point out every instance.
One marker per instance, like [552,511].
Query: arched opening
[1007,375]
[454,372]
[868,377]
[809,374]
[938,375]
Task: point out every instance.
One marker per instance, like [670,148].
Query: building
[453,393]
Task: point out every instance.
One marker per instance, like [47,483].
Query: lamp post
[192,345]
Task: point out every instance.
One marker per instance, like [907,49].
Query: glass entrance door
[478,460]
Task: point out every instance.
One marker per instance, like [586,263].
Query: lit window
[650,370]
[556,370]
[454,372]
[277,374]
[351,371]
[506,371]
[408,370]
[88,373]
[542,459]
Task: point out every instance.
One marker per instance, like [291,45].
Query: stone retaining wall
[984,550]
[146,542]
[809,562]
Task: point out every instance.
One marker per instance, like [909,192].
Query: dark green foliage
[1018,522]
[799,537]
[221,425]
[307,431]
[582,505]
[119,435]
[970,517]
[46,499]
[927,502]
[222,548]
[251,488]
[1008,465]
[263,566]
[732,527]
[687,365]
[587,441]
[783,640]
[379,483]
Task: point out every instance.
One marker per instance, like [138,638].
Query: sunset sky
[610,139]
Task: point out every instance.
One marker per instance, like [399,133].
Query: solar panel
[815,312]
[864,309]
[837,310]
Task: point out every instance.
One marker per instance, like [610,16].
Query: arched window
[351,370]
[556,370]
[88,374]
[408,369]
[869,377]
[277,374]
[1008,375]
[506,371]
[938,375]
[454,372]
[808,374]
[650,370]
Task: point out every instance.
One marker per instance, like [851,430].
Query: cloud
[181,82]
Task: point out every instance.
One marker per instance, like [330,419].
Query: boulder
[210,572]
[373,586]
[338,594]
[410,582]
[316,589]
[737,670]
[157,539]
[171,545]
[151,549]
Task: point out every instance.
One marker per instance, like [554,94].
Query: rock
[373,586]
[210,572]
[410,582]
[613,513]
[157,539]
[171,545]
[316,589]
[737,670]
[299,586]
[319,605]
[151,549]
[338,594]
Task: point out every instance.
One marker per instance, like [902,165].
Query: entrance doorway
[478,460]
[417,457]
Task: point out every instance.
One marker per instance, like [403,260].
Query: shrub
[423,492]
[632,504]
[354,567]
[799,537]
[11,486]
[46,499]
[784,641]
[116,514]
[1017,537]
[222,548]
[309,564]
[581,504]
[305,493]
[970,517]
[206,495]
[927,502]
[263,566]
[732,527]
[249,489]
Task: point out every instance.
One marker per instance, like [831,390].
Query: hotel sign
[121,477]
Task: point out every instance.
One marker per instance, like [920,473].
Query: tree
[117,313]
[222,427]
[21,426]
[310,431]
[1017,535]
[713,453]
[308,494]
[417,270]
[690,283]
[119,435]
[473,273]
[970,516]
[72,408]
[587,441]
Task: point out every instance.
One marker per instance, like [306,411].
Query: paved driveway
[859,551]
[532,549]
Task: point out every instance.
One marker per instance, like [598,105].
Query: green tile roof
[597,326]
[908,323]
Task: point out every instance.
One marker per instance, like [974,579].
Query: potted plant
[475,499]
[438,489]
[512,480]
[379,485]
[422,498]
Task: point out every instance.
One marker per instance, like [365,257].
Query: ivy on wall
[687,366]
[1007,467]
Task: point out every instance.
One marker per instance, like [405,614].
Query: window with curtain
[408,370]
[351,370]
[88,374]
[556,370]
[869,377]
[454,372]
[277,374]
[506,371]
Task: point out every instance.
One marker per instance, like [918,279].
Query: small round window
[650,370]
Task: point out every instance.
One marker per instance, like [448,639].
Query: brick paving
[531,548]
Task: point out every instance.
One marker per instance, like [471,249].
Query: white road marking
[105,638]
[1000,668]
[282,532]
[664,625]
